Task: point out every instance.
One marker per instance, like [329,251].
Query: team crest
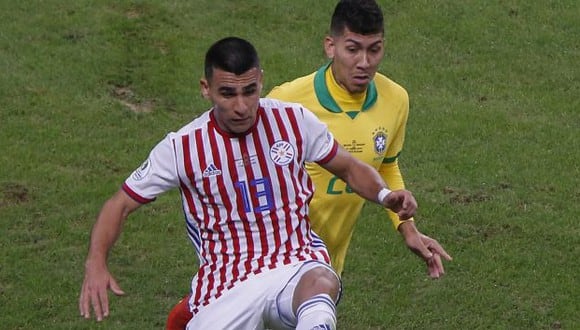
[380,140]
[142,171]
[282,153]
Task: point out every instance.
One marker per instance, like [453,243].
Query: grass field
[492,154]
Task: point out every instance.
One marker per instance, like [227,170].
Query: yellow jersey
[371,126]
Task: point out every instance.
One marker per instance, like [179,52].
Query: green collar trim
[326,100]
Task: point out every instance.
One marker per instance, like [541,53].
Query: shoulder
[292,109]
[290,89]
[269,103]
[387,86]
[197,122]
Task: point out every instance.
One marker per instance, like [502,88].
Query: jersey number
[334,189]
[256,195]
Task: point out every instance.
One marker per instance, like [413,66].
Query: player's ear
[329,47]
[204,88]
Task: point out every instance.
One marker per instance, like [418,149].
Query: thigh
[238,308]
[246,305]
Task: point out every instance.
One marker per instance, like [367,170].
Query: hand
[426,248]
[94,292]
[401,202]
[434,264]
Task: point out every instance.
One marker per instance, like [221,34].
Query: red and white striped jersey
[245,197]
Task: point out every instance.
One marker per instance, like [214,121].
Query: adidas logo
[211,170]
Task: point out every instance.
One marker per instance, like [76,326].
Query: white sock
[317,313]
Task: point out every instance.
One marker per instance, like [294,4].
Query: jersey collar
[328,102]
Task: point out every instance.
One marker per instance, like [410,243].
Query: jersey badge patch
[211,170]
[282,153]
[142,171]
[380,140]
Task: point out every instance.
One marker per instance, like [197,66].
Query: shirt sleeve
[155,176]
[321,145]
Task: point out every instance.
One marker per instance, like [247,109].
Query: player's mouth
[361,79]
[247,121]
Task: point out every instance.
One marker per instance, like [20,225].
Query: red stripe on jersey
[187,163]
[283,193]
[186,150]
[225,199]
[208,194]
[304,227]
[309,189]
[248,231]
[265,246]
[239,202]
[289,224]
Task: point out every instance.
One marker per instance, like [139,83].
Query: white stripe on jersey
[244,197]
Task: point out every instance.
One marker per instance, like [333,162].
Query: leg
[319,280]
[311,291]
[314,299]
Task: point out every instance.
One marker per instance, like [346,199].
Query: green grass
[491,154]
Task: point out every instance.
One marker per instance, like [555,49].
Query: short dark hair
[231,54]
[359,16]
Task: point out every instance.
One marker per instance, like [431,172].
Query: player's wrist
[382,195]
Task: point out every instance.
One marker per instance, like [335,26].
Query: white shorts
[263,301]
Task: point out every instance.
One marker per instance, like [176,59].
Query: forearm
[365,181]
[407,229]
[107,229]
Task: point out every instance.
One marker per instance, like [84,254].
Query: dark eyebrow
[360,45]
[250,87]
[226,89]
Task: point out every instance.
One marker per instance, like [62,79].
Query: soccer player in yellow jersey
[367,113]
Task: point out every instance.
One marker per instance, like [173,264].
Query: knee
[319,280]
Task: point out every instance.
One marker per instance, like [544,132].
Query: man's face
[355,58]
[235,98]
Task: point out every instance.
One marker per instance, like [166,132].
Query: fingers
[84,304]
[435,266]
[95,298]
[435,263]
[408,206]
[116,288]
[96,301]
[435,247]
[440,251]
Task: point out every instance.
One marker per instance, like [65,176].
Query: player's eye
[250,91]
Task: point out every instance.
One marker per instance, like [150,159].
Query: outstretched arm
[97,278]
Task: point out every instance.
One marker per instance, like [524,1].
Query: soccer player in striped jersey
[367,113]
[240,168]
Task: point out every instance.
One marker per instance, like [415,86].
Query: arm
[367,183]
[422,245]
[104,234]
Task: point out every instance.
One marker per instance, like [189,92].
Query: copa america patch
[380,142]
[142,171]
[282,153]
